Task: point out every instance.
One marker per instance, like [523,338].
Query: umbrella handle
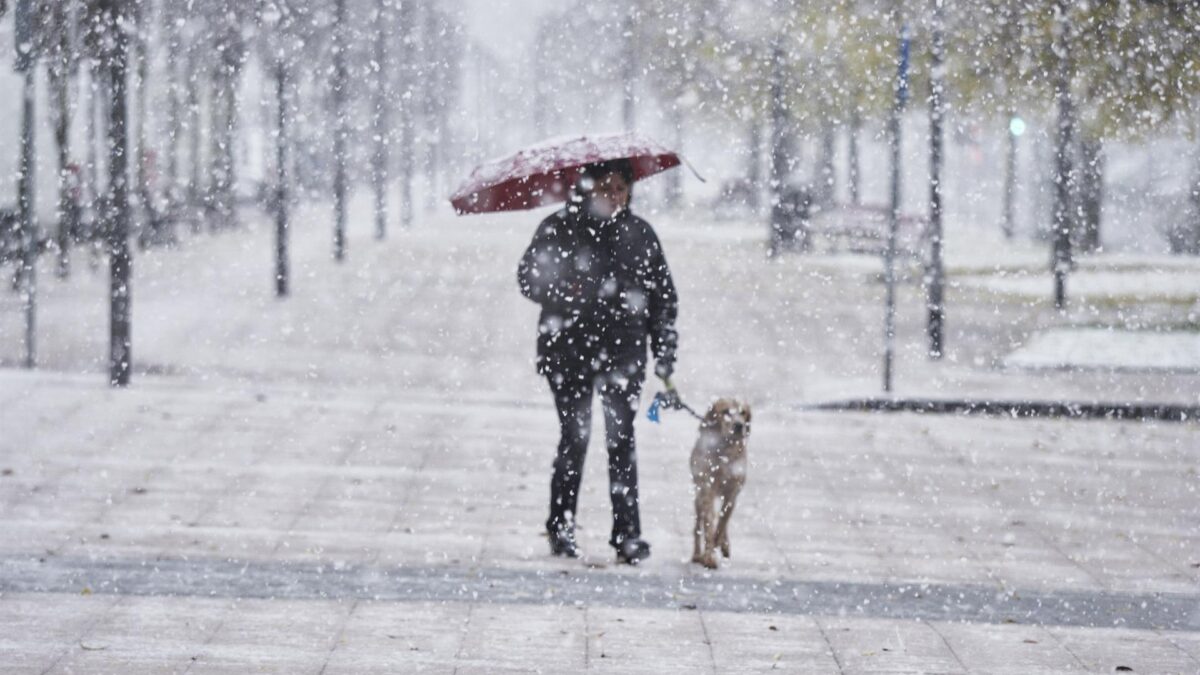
[692,169]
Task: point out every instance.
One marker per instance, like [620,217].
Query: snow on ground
[382,434]
[1178,286]
[1107,348]
[972,250]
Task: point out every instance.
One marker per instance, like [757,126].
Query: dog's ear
[746,413]
[712,418]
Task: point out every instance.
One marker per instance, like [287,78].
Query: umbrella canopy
[544,173]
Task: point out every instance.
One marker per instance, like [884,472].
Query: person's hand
[670,398]
[664,370]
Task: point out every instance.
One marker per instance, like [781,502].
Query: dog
[718,473]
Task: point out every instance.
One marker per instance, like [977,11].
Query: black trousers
[619,391]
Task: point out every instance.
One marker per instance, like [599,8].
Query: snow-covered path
[386,420]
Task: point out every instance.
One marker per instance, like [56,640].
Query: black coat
[605,291]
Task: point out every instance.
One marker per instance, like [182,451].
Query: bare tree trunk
[340,82]
[380,120]
[27,207]
[855,177]
[407,173]
[430,136]
[224,121]
[1191,239]
[444,140]
[145,219]
[675,178]
[935,274]
[196,99]
[432,60]
[175,123]
[143,133]
[1064,171]
[483,92]
[895,137]
[93,192]
[97,131]
[407,122]
[282,268]
[629,64]
[121,261]
[59,73]
[84,81]
[214,180]
[1010,181]
[826,188]
[754,160]
[1091,192]
[1043,202]
[541,97]
[780,153]
[232,124]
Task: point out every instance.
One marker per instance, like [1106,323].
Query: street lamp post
[1016,127]
[889,258]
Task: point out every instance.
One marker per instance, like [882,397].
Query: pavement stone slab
[765,643]
[621,641]
[1106,650]
[895,646]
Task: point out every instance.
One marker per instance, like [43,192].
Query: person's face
[610,196]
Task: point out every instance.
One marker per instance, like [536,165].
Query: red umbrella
[542,174]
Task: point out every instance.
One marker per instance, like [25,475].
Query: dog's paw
[708,560]
[725,549]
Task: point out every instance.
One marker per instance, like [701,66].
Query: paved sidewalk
[354,481]
[231,526]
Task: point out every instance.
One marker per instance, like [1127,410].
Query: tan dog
[718,472]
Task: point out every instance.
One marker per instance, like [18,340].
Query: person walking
[607,297]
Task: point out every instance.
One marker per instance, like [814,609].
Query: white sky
[505,26]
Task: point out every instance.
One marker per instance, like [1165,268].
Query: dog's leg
[722,534]
[700,531]
[708,557]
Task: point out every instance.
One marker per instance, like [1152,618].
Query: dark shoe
[562,542]
[633,551]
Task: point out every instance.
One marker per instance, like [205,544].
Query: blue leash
[671,401]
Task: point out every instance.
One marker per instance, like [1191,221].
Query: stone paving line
[298,581]
[52,633]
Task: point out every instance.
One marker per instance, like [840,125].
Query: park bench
[10,243]
[10,237]
[849,228]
